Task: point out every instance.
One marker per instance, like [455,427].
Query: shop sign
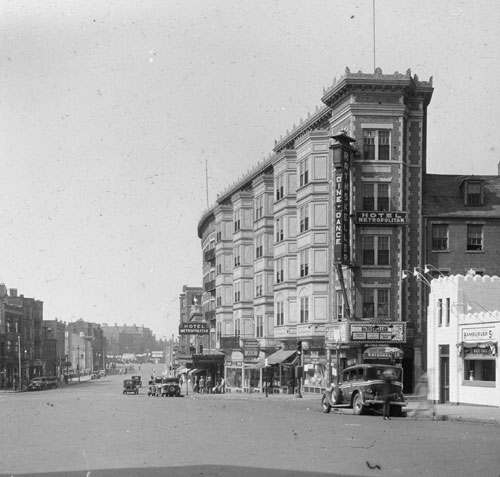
[381,332]
[381,218]
[383,352]
[479,350]
[475,334]
[194,329]
[251,352]
[341,211]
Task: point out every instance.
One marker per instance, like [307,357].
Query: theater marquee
[381,218]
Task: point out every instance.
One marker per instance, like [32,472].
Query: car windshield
[376,372]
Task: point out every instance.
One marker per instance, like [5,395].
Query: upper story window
[218,233]
[375,303]
[304,172]
[279,230]
[376,144]
[237,255]
[376,196]
[474,193]
[280,271]
[340,305]
[280,313]
[237,220]
[237,292]
[304,310]
[474,237]
[280,189]
[375,250]
[259,207]
[259,246]
[259,285]
[304,263]
[304,218]
[439,237]
[237,327]
[259,326]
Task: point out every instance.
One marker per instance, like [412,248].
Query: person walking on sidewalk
[387,393]
[424,404]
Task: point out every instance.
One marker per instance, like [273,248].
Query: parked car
[38,384]
[171,387]
[155,387]
[361,389]
[52,382]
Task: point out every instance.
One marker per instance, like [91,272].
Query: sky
[114,117]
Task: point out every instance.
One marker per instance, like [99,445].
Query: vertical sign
[341,197]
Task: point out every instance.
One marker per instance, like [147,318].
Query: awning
[254,365]
[181,370]
[280,356]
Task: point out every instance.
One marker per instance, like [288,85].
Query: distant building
[53,346]
[123,339]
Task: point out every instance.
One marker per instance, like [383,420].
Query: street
[92,425]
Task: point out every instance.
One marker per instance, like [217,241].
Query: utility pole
[19,354]
[78,362]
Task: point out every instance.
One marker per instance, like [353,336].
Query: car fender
[328,395]
[361,393]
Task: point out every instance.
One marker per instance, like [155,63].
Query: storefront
[462,349]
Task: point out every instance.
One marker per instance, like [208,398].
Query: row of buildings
[31,346]
[325,251]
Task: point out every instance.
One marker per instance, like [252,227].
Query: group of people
[206,386]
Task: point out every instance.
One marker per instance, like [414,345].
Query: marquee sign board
[381,218]
[194,329]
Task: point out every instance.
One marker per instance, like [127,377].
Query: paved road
[92,426]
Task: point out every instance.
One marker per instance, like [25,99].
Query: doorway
[444,374]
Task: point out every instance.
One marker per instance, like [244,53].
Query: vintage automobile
[52,382]
[361,389]
[38,384]
[129,387]
[155,387]
[137,380]
[170,387]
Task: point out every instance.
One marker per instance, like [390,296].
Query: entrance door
[444,374]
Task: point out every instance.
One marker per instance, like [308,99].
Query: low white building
[463,328]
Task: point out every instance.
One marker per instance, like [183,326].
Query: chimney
[13,292]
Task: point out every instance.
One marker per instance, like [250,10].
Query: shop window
[479,370]
[439,237]
[474,238]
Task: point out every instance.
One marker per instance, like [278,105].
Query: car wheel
[357,406]
[326,405]
[336,395]
[124,392]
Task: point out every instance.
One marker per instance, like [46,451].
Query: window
[279,230]
[237,220]
[439,237]
[304,218]
[218,330]
[304,310]
[237,255]
[375,250]
[279,270]
[479,370]
[259,207]
[440,311]
[236,327]
[8,325]
[304,263]
[280,192]
[375,303]
[473,193]
[237,292]
[376,144]
[340,305]
[218,298]
[376,196]
[259,328]
[9,347]
[474,238]
[259,246]
[219,232]
[304,172]
[280,315]
[218,265]
[259,287]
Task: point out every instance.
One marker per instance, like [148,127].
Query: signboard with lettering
[341,253]
[381,218]
[194,329]
[478,334]
[393,332]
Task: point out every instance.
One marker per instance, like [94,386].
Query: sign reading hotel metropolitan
[193,329]
[381,218]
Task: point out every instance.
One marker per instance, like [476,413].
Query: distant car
[137,380]
[129,387]
[361,389]
[52,382]
[94,376]
[38,384]
[170,387]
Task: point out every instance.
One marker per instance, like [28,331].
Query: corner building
[309,245]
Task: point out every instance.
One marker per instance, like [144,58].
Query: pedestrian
[202,385]
[195,385]
[387,394]
[424,404]
[209,385]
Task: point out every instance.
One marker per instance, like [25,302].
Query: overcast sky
[109,110]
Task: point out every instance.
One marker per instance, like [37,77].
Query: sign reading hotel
[381,218]
[341,211]
[388,332]
[193,329]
